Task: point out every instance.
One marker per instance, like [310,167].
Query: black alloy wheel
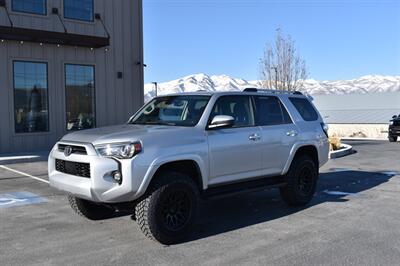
[168,211]
[175,210]
[301,181]
[305,181]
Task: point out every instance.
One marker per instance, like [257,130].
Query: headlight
[119,150]
[390,123]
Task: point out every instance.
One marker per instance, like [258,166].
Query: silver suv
[183,147]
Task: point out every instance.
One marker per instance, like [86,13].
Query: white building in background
[358,115]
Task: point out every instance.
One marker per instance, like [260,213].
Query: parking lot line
[9,158]
[24,174]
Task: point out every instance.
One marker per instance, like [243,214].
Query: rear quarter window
[305,109]
[270,111]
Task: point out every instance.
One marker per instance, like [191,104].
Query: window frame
[282,108]
[94,95]
[47,97]
[30,12]
[79,19]
[252,111]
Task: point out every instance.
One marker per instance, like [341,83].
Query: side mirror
[394,117]
[221,121]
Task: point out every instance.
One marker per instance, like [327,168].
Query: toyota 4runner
[180,148]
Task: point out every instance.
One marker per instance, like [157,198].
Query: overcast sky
[338,39]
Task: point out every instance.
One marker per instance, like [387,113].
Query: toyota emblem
[67,151]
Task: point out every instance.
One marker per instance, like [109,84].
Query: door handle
[254,137]
[292,133]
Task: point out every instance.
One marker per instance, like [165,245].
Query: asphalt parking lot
[354,219]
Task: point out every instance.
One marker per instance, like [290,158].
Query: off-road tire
[90,210]
[392,138]
[303,167]
[153,213]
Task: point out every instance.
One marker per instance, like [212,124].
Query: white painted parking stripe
[24,174]
[338,193]
[9,158]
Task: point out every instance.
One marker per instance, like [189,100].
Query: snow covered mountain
[365,84]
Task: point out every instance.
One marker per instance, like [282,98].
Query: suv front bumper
[100,186]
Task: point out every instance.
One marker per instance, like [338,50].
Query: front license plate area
[70,167]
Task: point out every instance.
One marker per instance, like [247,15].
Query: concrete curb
[366,139]
[348,149]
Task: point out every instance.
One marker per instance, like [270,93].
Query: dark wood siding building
[67,65]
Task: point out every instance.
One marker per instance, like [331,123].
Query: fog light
[117,177]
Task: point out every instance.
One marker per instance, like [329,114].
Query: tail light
[325,128]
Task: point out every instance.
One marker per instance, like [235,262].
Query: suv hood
[119,133]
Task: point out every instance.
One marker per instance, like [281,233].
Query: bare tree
[281,67]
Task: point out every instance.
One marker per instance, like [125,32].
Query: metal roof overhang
[52,37]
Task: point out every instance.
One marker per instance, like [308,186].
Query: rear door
[234,152]
[278,133]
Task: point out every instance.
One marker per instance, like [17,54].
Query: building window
[80,96]
[30,6]
[79,9]
[30,97]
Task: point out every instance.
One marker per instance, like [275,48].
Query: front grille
[396,123]
[75,149]
[73,168]
[394,130]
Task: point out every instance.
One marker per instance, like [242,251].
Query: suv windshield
[184,110]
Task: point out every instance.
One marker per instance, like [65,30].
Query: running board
[225,190]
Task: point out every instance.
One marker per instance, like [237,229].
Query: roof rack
[272,91]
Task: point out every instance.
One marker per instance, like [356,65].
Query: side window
[270,111]
[31,110]
[286,115]
[80,96]
[305,109]
[239,107]
[79,9]
[37,7]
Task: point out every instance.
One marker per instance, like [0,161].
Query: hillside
[365,84]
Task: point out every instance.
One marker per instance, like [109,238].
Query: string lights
[106,49]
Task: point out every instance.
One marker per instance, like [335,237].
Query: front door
[234,153]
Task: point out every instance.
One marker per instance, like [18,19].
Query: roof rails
[272,91]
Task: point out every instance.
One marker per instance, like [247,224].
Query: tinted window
[173,111]
[270,111]
[239,107]
[80,96]
[30,97]
[305,109]
[79,9]
[29,6]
